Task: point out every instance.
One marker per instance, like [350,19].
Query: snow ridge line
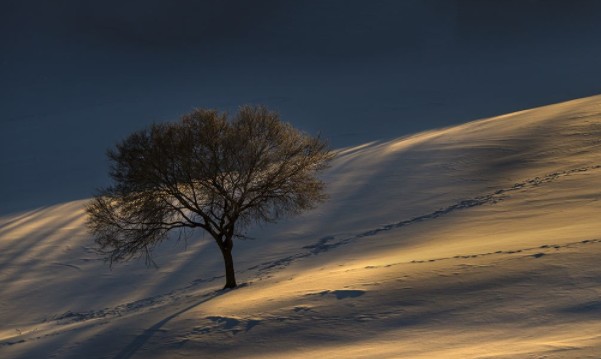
[329,242]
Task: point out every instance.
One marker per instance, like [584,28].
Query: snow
[474,241]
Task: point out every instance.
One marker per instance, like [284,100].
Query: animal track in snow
[329,242]
[339,293]
[529,249]
[227,325]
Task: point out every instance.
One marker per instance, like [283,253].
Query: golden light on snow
[480,240]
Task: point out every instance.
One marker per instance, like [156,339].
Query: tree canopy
[206,171]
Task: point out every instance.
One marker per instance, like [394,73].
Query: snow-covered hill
[475,241]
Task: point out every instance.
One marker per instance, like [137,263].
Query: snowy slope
[475,241]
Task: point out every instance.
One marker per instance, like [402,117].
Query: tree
[206,171]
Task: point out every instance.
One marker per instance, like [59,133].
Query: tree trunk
[230,275]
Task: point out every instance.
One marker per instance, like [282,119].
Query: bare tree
[205,171]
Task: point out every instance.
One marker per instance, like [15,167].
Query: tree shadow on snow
[143,338]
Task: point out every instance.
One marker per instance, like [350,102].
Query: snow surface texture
[476,241]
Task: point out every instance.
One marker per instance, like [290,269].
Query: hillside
[475,241]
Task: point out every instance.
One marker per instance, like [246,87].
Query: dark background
[77,76]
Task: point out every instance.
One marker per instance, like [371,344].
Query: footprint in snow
[227,324]
[343,294]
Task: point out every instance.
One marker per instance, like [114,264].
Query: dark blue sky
[76,76]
